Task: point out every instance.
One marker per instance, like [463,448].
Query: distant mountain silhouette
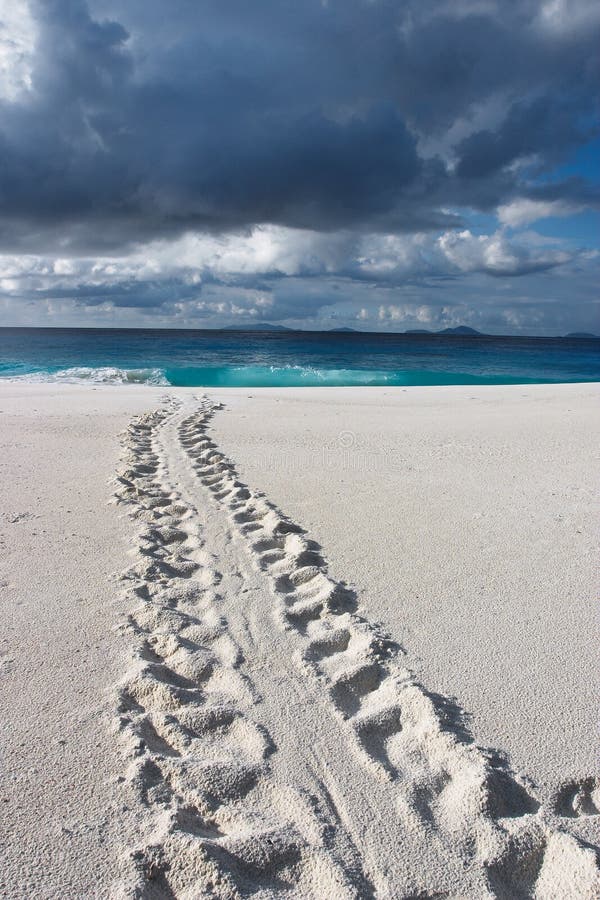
[256,326]
[460,329]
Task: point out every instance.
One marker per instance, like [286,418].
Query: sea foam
[94,375]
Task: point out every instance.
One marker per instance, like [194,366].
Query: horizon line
[343,330]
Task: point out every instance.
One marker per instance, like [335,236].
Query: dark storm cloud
[148,119]
[129,293]
[547,125]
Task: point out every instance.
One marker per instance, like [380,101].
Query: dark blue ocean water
[225,358]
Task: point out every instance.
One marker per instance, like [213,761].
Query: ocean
[289,359]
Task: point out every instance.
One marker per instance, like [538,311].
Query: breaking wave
[252,376]
[90,375]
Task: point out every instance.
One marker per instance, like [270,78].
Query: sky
[376,164]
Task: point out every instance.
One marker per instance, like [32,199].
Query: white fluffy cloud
[17,44]
[394,312]
[523,211]
[261,250]
[496,255]
[300,277]
[275,252]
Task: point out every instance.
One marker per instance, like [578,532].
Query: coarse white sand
[468,520]
[61,543]
[253,727]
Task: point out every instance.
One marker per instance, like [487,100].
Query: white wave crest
[100,375]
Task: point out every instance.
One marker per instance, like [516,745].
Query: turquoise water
[289,359]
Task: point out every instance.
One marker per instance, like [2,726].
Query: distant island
[459,330]
[267,326]
[256,326]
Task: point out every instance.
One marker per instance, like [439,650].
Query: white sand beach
[323,643]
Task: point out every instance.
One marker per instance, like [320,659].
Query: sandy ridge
[200,755]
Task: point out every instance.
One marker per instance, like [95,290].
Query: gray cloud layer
[147,120]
